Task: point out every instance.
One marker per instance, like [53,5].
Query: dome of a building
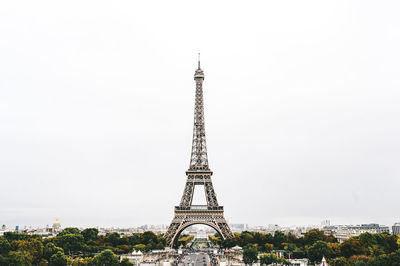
[57,225]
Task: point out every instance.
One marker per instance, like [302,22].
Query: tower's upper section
[199,159]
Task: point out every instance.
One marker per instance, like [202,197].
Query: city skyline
[301,111]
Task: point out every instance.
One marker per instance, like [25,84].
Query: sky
[301,109]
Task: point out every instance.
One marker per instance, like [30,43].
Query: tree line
[365,249]
[74,247]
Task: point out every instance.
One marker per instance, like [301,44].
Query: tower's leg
[187,196]
[172,230]
[210,194]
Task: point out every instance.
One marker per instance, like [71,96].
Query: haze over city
[301,110]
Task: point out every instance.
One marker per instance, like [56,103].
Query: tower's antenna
[199,60]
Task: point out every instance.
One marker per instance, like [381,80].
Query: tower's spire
[198,61]
[198,159]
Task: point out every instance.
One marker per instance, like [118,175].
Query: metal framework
[199,173]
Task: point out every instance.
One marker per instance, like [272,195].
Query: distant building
[238,227]
[396,229]
[298,262]
[325,223]
[343,232]
[57,226]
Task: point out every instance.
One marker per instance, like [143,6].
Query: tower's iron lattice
[199,173]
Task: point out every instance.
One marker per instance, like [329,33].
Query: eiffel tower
[199,173]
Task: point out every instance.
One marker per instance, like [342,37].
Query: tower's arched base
[185,217]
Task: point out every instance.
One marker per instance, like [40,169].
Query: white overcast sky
[302,105]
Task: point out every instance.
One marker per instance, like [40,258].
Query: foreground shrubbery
[74,247]
[365,249]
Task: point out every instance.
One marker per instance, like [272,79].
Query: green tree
[148,237]
[80,261]
[126,262]
[246,238]
[367,239]
[42,262]
[375,250]
[333,250]
[390,242]
[112,238]
[289,246]
[140,247]
[352,247]
[106,257]
[33,246]
[70,242]
[69,230]
[250,254]
[18,258]
[228,243]
[90,234]
[313,236]
[268,247]
[11,236]
[268,258]
[50,249]
[58,259]
[3,260]
[279,238]
[5,246]
[317,251]
[359,260]
[340,261]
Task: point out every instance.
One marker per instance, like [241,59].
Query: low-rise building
[343,232]
[396,229]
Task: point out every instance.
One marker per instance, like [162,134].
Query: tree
[69,230]
[42,262]
[70,242]
[333,250]
[79,261]
[32,246]
[90,234]
[17,258]
[352,247]
[126,262]
[3,260]
[340,261]
[112,238]
[5,246]
[367,239]
[215,240]
[246,238]
[279,238]
[392,259]
[268,258]
[359,260]
[317,251]
[289,246]
[390,242]
[268,247]
[148,237]
[58,259]
[313,236]
[250,254]
[106,257]
[140,247]
[50,249]
[228,243]
[10,236]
